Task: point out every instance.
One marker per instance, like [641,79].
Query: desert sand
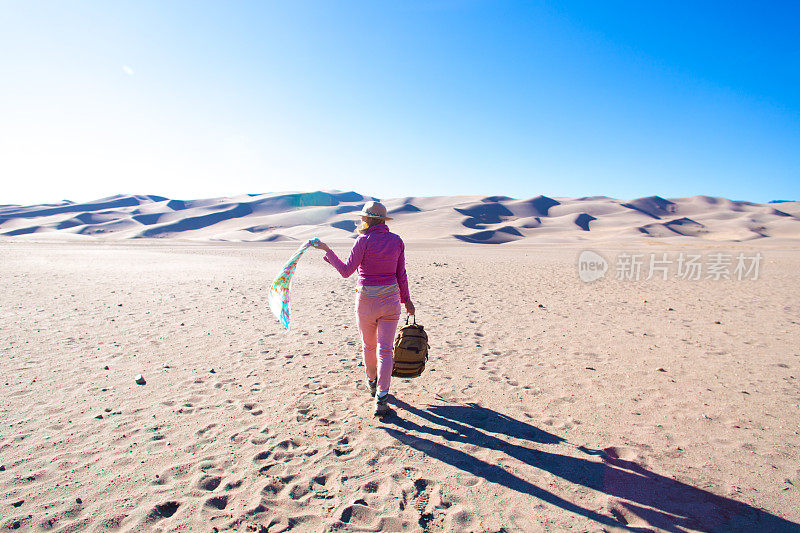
[548,404]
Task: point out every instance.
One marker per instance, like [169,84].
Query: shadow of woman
[660,501]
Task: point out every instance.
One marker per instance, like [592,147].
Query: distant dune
[296,216]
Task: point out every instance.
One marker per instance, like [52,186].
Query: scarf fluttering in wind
[280,295]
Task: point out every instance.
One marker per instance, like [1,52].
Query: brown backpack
[410,351]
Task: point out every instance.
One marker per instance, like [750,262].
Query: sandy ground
[549,404]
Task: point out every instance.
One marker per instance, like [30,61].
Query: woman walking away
[379,257]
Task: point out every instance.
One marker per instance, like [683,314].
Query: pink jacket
[379,256]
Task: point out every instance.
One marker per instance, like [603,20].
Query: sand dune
[329,215]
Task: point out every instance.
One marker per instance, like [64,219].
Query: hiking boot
[373,386]
[382,405]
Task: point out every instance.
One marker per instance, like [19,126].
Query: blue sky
[399,98]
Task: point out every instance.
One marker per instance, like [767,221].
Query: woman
[379,257]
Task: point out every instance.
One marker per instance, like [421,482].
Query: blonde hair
[366,223]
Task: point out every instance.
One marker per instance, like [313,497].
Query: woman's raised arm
[356,255]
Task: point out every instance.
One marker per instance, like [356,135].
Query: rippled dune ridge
[329,215]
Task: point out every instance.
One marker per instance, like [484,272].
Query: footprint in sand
[387,454]
[624,453]
[209,483]
[358,514]
[316,387]
[262,456]
[277,485]
[179,471]
[342,447]
[421,494]
[205,430]
[281,451]
[299,490]
[459,519]
[252,408]
[426,498]
[217,502]
[467,480]
[303,411]
[164,510]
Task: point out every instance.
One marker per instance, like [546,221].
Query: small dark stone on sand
[139,379]
[717,322]
[213,371]
[78,501]
[99,417]
[2,468]
[670,309]
[105,367]
[17,504]
[659,369]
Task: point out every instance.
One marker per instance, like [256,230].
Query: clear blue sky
[399,98]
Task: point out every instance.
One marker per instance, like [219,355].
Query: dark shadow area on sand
[660,501]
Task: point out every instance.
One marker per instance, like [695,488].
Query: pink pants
[377,320]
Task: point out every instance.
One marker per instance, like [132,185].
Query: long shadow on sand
[660,501]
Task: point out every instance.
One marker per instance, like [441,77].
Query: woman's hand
[410,308]
[319,245]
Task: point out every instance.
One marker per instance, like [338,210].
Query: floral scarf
[279,295]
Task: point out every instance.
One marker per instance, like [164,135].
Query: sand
[549,404]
